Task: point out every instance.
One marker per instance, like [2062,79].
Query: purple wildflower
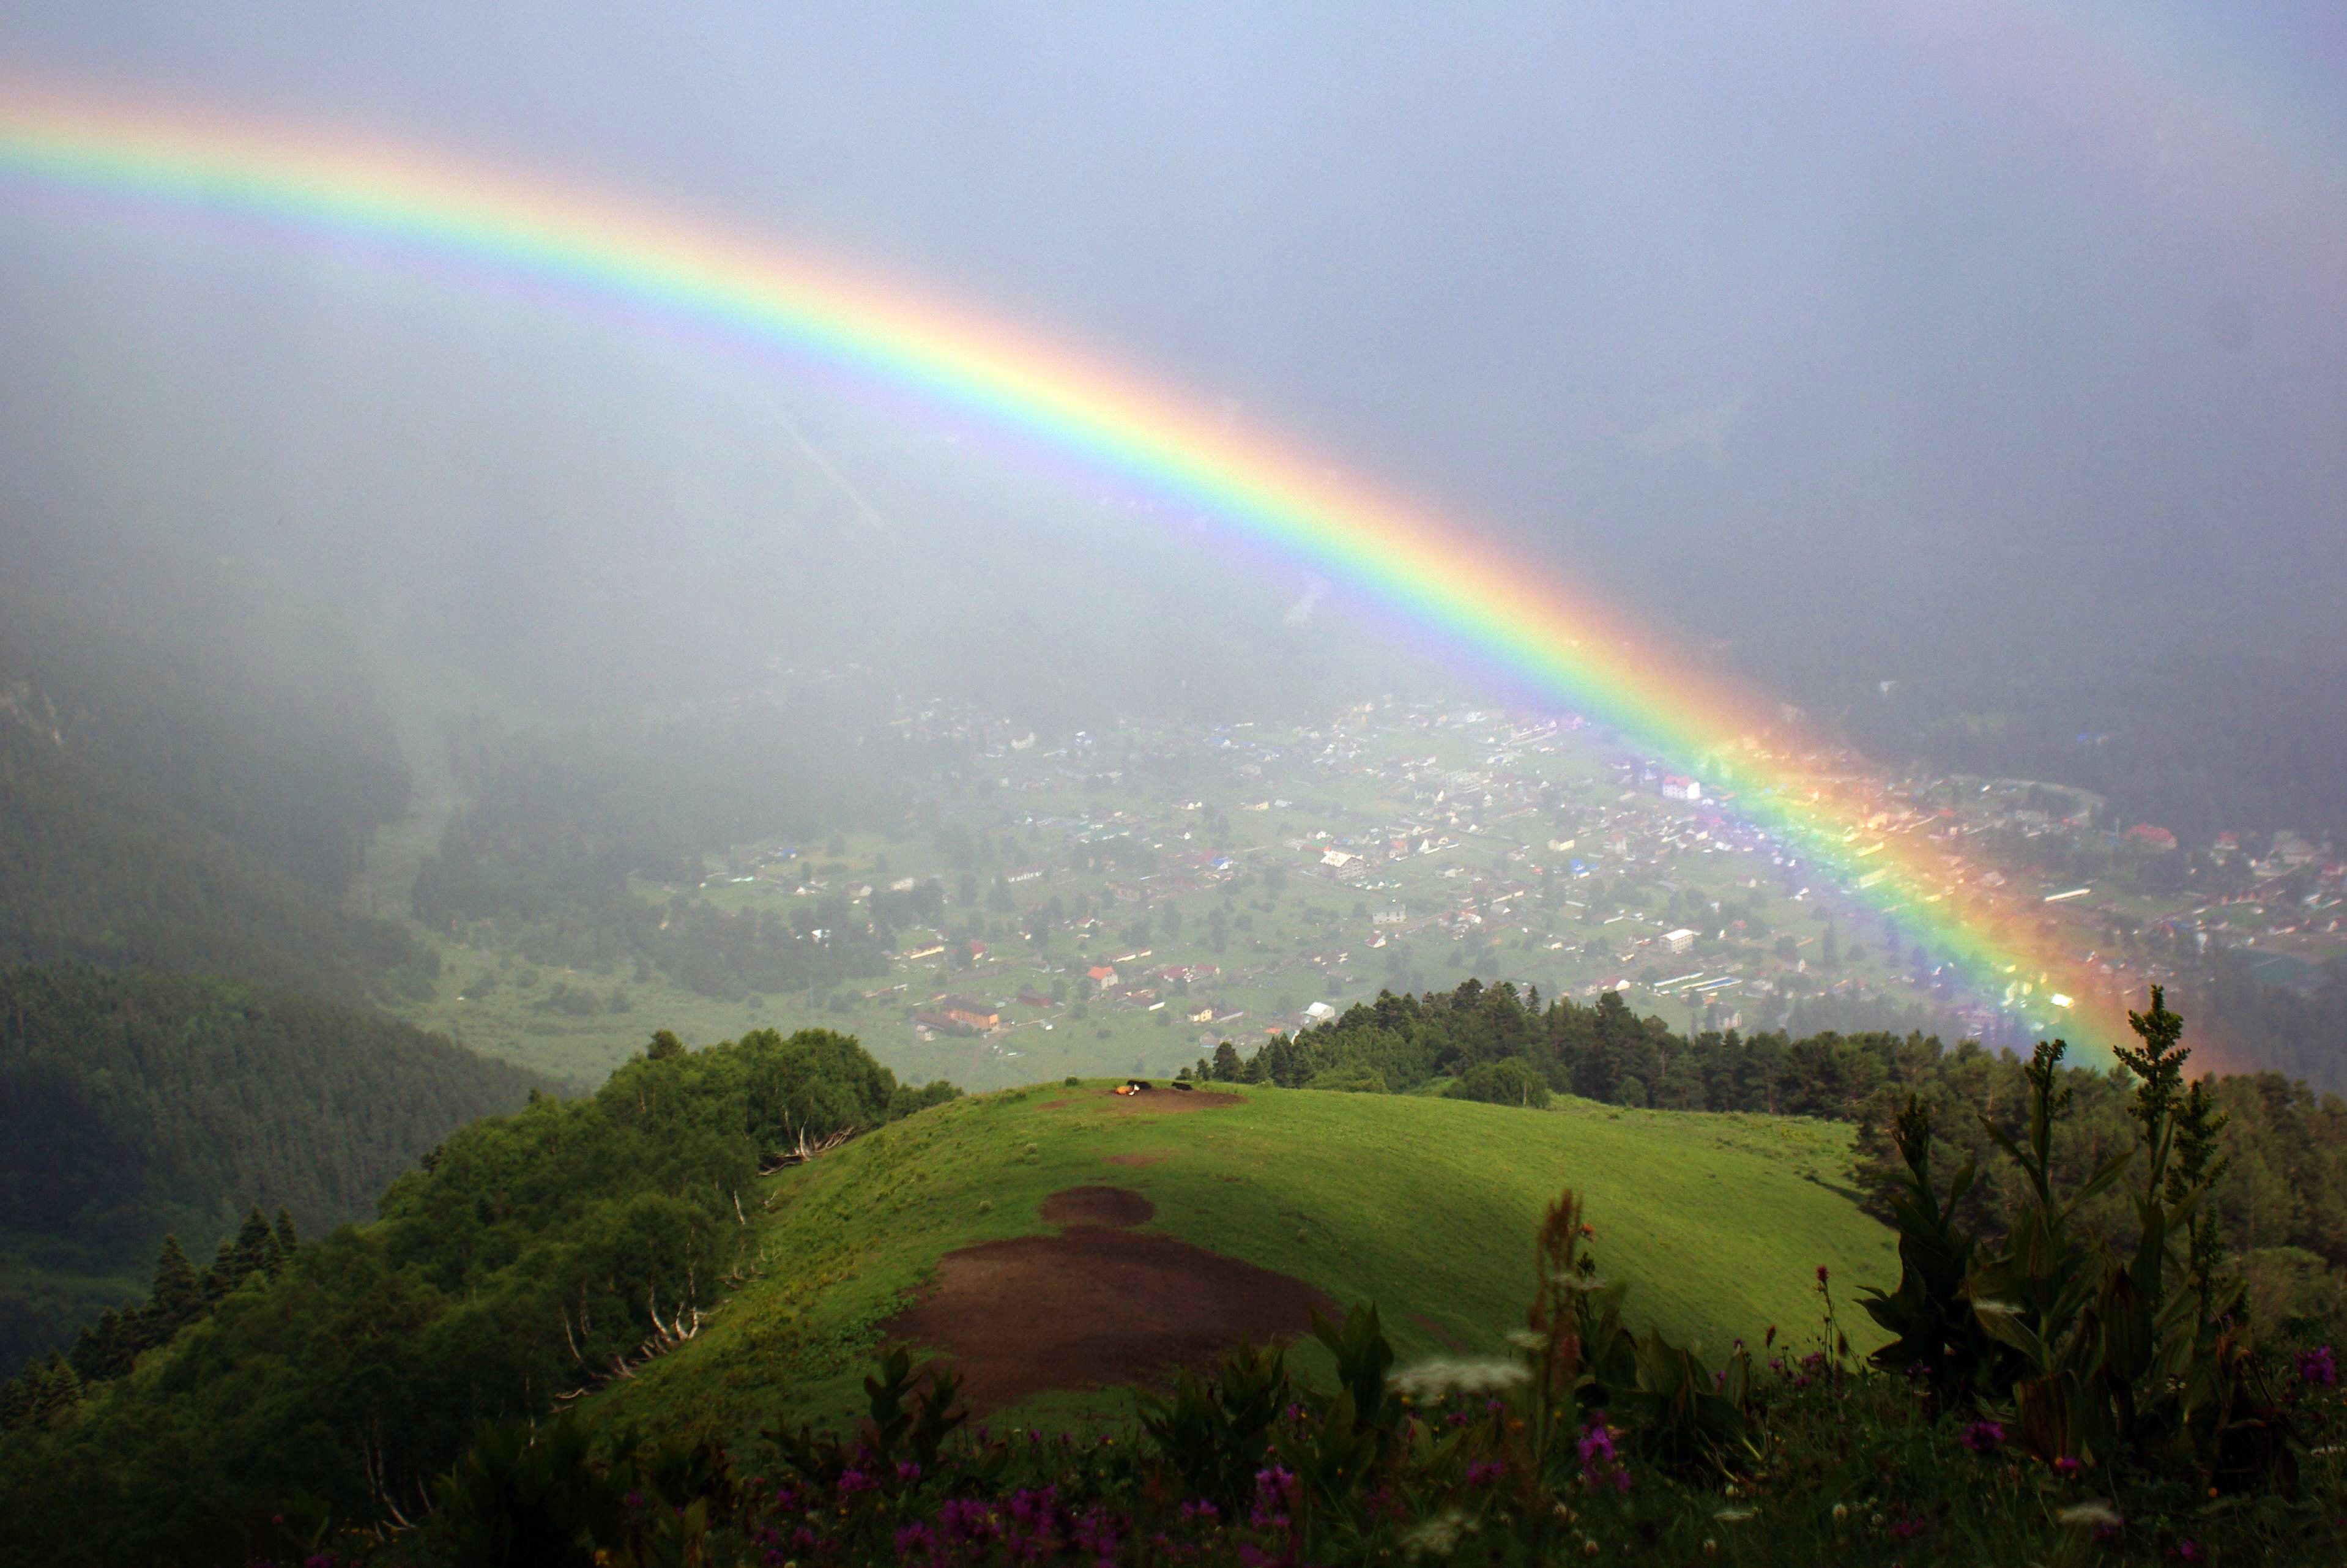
[1601,1465]
[852,1481]
[1485,1473]
[2317,1365]
[907,1471]
[1276,1490]
[968,1520]
[1983,1437]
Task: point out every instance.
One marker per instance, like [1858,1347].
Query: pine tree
[222,1275]
[65,1386]
[253,1243]
[55,1389]
[178,1298]
[288,1240]
[1226,1064]
[102,1349]
[16,1400]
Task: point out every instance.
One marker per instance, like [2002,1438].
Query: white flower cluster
[1436,1379]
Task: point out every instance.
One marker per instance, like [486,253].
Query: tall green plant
[1935,1336]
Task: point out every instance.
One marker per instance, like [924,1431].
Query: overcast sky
[1820,320]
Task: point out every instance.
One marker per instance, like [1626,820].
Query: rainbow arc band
[308,186]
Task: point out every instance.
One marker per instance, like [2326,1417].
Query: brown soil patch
[1095,1306]
[1138,1157]
[1171,1100]
[1116,1207]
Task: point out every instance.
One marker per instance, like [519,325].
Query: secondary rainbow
[297,182]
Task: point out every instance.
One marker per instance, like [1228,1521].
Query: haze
[1852,342]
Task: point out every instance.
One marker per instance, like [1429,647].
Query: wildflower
[916,1540]
[2065,1467]
[2316,1366]
[1484,1472]
[1840,1512]
[907,1471]
[1275,1489]
[2189,1549]
[1710,1546]
[1436,1379]
[968,1520]
[1983,1437]
[854,1480]
[1589,1548]
[1821,1273]
[2095,1513]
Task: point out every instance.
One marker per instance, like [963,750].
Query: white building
[1680,940]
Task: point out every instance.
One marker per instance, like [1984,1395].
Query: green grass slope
[1425,1206]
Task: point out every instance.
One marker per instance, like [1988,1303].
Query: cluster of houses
[1475,833]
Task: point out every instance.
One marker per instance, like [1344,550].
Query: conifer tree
[16,1400]
[102,1349]
[62,1392]
[1226,1064]
[288,1240]
[177,1298]
[252,1242]
[222,1275]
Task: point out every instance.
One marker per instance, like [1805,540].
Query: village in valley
[1121,902]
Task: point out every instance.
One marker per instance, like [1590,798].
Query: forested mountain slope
[523,1256]
[98,865]
[134,1104]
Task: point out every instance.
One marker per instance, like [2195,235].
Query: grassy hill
[1425,1206]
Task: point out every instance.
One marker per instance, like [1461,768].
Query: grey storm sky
[1763,313]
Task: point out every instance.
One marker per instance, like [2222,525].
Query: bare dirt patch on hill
[1160,1101]
[1100,1303]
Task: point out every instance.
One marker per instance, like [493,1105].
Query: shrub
[1507,1081]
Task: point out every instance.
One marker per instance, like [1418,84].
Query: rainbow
[955,362]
